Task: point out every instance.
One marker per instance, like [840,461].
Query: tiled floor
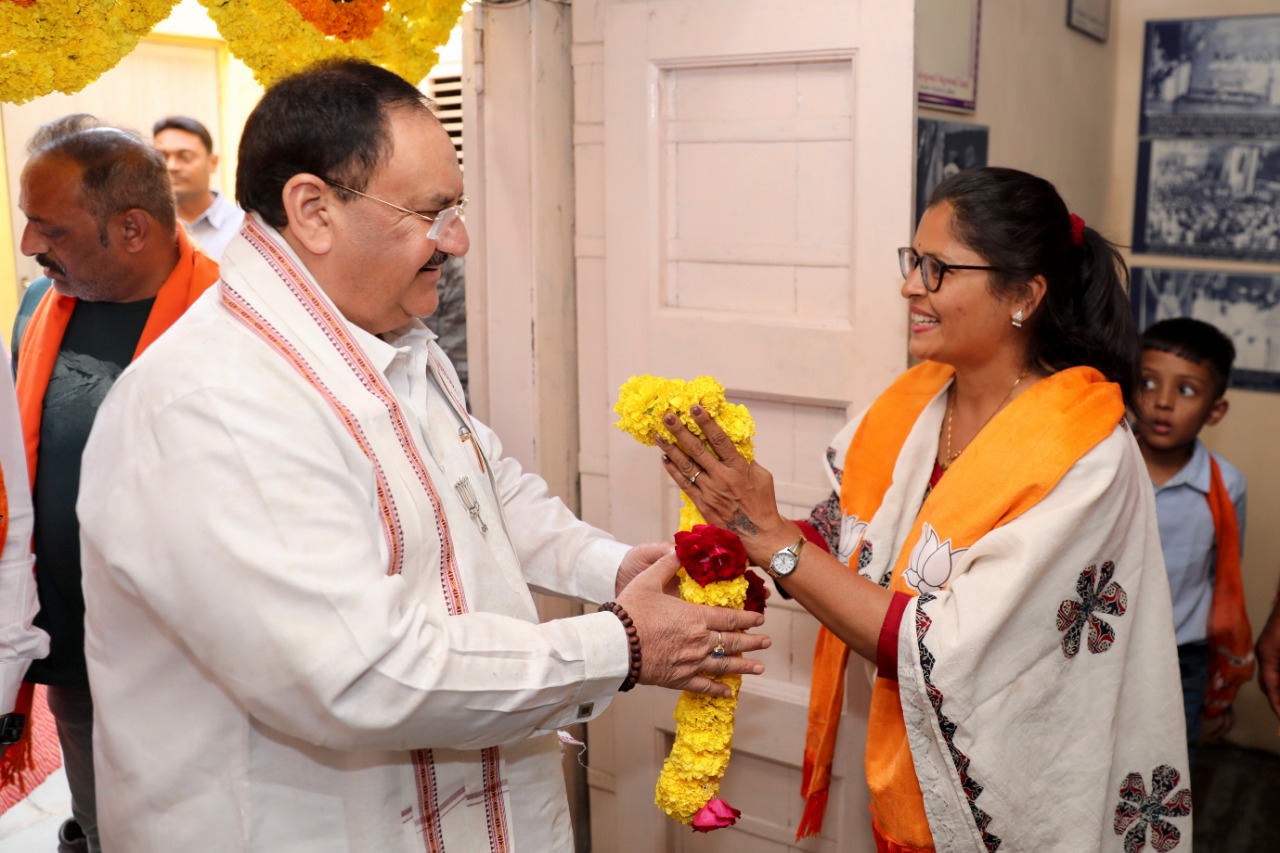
[32,825]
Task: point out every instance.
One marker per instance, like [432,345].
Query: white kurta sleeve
[558,552]
[20,641]
[246,523]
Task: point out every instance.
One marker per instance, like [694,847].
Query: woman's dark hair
[329,120]
[1018,223]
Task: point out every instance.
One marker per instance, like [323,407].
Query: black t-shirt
[98,344]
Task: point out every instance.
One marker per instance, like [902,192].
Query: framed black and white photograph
[1208,198]
[1244,306]
[942,149]
[1091,17]
[947,53]
[1212,77]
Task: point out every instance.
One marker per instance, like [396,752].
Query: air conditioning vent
[446,91]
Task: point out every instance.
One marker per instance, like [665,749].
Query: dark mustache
[437,259]
[48,263]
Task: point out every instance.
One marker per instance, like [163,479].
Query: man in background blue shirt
[211,219]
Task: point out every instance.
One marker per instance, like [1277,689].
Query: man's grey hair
[121,171]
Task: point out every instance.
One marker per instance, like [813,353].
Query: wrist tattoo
[741,524]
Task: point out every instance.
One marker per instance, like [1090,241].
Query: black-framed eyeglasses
[440,221]
[931,269]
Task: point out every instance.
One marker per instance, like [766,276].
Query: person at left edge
[20,641]
[101,222]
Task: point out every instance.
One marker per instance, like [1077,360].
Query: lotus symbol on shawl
[929,567]
[852,530]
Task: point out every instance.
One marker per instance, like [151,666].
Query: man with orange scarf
[101,221]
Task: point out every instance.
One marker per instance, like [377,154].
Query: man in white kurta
[308,569]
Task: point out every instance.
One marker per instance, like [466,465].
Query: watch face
[783,563]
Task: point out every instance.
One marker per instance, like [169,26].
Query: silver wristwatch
[784,561]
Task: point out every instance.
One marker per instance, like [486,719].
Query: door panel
[758,175]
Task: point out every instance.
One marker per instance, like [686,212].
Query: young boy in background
[1200,505]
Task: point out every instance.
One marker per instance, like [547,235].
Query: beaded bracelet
[633,640]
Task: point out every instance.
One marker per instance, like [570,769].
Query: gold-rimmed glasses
[440,221]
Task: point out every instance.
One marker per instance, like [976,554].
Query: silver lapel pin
[468,497]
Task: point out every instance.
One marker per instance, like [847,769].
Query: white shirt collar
[383,349]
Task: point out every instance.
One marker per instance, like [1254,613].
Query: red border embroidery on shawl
[971,786]
[495,811]
[258,324]
[375,383]
[425,769]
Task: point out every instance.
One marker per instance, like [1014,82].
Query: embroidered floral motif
[864,555]
[833,464]
[972,787]
[929,567]
[825,519]
[1137,811]
[1098,594]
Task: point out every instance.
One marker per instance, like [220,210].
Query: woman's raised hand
[729,491]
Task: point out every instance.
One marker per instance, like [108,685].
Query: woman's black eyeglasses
[931,269]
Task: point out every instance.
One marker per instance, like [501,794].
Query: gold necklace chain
[951,407]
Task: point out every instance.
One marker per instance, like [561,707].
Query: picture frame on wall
[942,149]
[1091,17]
[1208,198]
[1211,77]
[1245,306]
[947,53]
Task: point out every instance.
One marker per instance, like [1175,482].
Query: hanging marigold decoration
[713,570]
[64,45]
[276,38]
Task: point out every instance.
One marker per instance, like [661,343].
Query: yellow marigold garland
[690,780]
[64,45]
[276,38]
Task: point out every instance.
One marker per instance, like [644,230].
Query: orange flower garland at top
[64,45]
[344,19]
[276,38]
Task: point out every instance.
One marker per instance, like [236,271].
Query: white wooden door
[758,171]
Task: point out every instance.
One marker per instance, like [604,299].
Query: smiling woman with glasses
[989,546]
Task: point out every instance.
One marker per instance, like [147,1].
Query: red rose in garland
[710,554]
[755,593]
